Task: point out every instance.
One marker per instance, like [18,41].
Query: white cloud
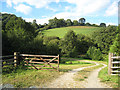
[9,3]
[7,13]
[67,8]
[39,21]
[28,19]
[84,7]
[23,8]
[81,8]
[44,16]
[36,3]
[52,9]
[112,9]
[57,1]
[111,23]
[42,21]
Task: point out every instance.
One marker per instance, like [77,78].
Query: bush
[52,48]
[94,53]
[68,44]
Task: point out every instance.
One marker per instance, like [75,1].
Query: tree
[68,44]
[94,53]
[47,39]
[95,25]
[83,43]
[5,19]
[75,23]
[104,37]
[16,40]
[115,48]
[69,22]
[36,46]
[18,23]
[35,25]
[82,21]
[102,25]
[16,34]
[88,24]
[52,47]
[53,22]
[61,23]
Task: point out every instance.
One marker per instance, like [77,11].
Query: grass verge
[111,80]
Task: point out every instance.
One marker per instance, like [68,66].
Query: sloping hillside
[60,32]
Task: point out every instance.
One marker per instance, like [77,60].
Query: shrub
[68,44]
[94,53]
[52,48]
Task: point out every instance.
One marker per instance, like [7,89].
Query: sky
[94,11]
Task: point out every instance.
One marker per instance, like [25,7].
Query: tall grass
[111,80]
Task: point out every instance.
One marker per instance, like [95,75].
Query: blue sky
[94,11]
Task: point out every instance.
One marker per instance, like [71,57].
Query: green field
[60,32]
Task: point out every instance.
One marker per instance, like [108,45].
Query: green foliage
[36,46]
[5,45]
[83,43]
[52,48]
[69,22]
[35,25]
[95,25]
[16,34]
[115,48]
[54,23]
[75,23]
[18,23]
[68,44]
[102,25]
[104,38]
[111,80]
[49,38]
[94,53]
[5,19]
[88,24]
[14,40]
[82,21]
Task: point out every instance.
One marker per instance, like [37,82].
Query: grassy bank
[22,78]
[111,80]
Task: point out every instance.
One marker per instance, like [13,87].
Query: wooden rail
[10,60]
[31,61]
[114,64]
[41,61]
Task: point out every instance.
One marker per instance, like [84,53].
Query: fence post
[58,61]
[110,63]
[16,59]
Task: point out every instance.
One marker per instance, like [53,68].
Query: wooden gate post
[16,58]
[110,63]
[58,61]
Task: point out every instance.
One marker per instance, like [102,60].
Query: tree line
[57,23]
[21,36]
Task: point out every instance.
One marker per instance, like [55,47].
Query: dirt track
[66,80]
